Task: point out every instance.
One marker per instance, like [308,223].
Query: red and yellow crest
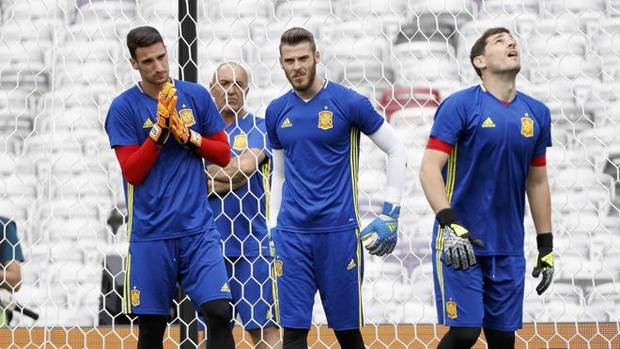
[451,309]
[326,120]
[527,126]
[135,298]
[187,116]
[240,141]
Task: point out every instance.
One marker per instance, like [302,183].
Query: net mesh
[62,61]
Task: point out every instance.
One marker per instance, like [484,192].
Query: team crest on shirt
[278,266]
[135,297]
[240,141]
[187,116]
[527,126]
[451,309]
[326,120]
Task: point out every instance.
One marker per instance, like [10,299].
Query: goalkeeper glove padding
[185,136]
[544,262]
[166,100]
[381,235]
[457,241]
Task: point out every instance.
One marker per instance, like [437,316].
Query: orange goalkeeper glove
[166,100]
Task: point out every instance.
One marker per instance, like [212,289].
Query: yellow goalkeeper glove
[166,99]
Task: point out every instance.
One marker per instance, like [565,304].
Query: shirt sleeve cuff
[539,161]
[437,144]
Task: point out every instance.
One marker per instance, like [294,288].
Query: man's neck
[150,89]
[230,117]
[503,86]
[314,88]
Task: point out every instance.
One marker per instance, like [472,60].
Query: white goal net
[62,61]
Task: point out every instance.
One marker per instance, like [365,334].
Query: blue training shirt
[241,215]
[320,140]
[170,202]
[494,144]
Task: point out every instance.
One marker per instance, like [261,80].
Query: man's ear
[134,63]
[480,62]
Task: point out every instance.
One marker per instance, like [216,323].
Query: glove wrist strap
[446,216]
[544,241]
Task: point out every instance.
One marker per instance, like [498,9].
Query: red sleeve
[539,161]
[136,161]
[215,148]
[438,144]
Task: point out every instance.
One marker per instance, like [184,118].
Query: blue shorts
[251,287]
[331,263]
[155,267]
[489,294]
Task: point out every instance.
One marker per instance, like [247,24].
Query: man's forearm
[10,276]
[239,169]
[434,188]
[539,198]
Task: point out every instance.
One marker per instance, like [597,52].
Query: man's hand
[380,236]
[544,262]
[6,298]
[166,100]
[185,136]
[457,241]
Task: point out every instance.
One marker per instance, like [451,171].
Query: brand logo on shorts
[451,309]
[278,265]
[351,264]
[225,288]
[527,126]
[135,298]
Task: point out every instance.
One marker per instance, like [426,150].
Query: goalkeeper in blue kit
[314,131]
[161,130]
[486,151]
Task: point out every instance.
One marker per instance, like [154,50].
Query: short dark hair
[297,35]
[142,37]
[478,48]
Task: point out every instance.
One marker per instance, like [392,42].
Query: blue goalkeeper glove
[380,236]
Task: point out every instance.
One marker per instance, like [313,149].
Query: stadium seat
[491,8]
[153,10]
[577,6]
[225,9]
[372,158]
[16,102]
[104,10]
[94,31]
[419,313]
[369,9]
[558,45]
[77,52]
[303,8]
[101,72]
[400,97]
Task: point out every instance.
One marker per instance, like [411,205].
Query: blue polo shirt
[493,146]
[320,140]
